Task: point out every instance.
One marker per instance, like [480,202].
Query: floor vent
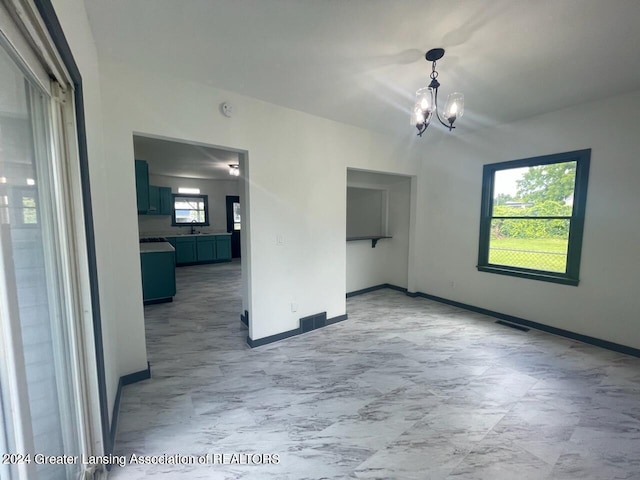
[517,327]
[312,322]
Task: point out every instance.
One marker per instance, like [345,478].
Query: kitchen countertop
[155,247]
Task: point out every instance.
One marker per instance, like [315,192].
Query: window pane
[30,245]
[190,209]
[530,243]
[542,190]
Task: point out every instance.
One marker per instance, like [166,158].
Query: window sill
[530,274]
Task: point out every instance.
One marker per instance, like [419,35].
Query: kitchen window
[190,210]
[532,217]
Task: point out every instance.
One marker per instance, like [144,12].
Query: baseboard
[244,318]
[272,338]
[297,331]
[339,318]
[616,347]
[374,288]
[366,290]
[155,301]
[124,380]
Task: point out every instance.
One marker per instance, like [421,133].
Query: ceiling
[186,160]
[361,61]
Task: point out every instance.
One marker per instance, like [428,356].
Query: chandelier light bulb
[454,107]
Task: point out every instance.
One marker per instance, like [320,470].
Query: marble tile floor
[406,388]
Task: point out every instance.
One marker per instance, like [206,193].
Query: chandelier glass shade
[426,106]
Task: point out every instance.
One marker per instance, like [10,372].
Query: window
[236,216]
[190,210]
[532,217]
[24,206]
[45,402]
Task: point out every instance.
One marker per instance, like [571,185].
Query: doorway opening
[181,179]
[379,221]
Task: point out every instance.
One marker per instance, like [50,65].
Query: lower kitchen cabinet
[186,250]
[206,249]
[195,249]
[223,247]
[158,276]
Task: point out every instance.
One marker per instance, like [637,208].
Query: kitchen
[188,210]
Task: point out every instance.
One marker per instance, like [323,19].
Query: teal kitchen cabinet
[154,200]
[206,247]
[166,201]
[158,274]
[223,248]
[186,251]
[160,201]
[142,186]
[201,248]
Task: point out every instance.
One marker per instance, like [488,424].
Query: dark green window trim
[576,226]
[203,198]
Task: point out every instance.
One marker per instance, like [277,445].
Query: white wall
[297,183]
[216,190]
[388,261]
[124,349]
[606,302]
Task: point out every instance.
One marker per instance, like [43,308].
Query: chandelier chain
[434,74]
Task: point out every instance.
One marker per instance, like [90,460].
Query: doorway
[234,223]
[175,166]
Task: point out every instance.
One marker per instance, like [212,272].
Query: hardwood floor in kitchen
[406,388]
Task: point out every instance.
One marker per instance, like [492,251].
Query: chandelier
[427,100]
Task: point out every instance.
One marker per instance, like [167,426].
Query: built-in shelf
[374,239]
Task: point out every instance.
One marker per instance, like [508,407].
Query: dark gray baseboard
[616,347]
[307,324]
[124,380]
[374,288]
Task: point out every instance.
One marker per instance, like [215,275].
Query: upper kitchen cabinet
[160,201]
[142,186]
[154,200]
[166,201]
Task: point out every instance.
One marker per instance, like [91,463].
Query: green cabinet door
[158,275]
[166,201]
[186,250]
[223,247]
[142,186]
[206,248]
[154,200]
